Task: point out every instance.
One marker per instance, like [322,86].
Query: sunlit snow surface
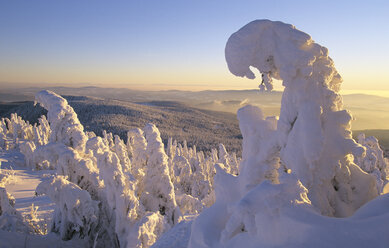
[23,185]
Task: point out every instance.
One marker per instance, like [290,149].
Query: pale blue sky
[177,44]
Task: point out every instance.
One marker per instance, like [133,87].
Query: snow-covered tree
[260,156]
[42,131]
[313,129]
[138,144]
[3,133]
[119,190]
[296,166]
[121,151]
[28,148]
[158,193]
[374,162]
[75,211]
[64,124]
[20,128]
[229,161]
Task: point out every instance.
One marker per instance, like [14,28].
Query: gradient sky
[177,44]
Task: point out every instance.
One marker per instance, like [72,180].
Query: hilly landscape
[204,118]
[205,129]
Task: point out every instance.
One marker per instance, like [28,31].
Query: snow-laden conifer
[374,162]
[64,124]
[75,211]
[158,193]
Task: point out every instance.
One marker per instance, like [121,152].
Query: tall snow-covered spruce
[296,169]
[158,192]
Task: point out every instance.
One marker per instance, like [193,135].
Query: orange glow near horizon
[167,77]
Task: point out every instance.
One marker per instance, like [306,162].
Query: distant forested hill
[203,128]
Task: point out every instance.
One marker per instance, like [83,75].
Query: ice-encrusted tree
[158,192]
[3,133]
[18,131]
[260,156]
[298,165]
[75,211]
[64,124]
[137,144]
[119,189]
[121,150]
[313,130]
[20,128]
[374,162]
[229,161]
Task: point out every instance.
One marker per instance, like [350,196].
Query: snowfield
[302,180]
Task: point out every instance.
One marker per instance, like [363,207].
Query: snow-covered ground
[178,236]
[23,184]
[23,240]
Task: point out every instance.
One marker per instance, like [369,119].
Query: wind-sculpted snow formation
[301,167]
[106,191]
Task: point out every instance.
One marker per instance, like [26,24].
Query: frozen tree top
[279,51]
[66,128]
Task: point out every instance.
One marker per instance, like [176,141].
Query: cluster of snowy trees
[111,192]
